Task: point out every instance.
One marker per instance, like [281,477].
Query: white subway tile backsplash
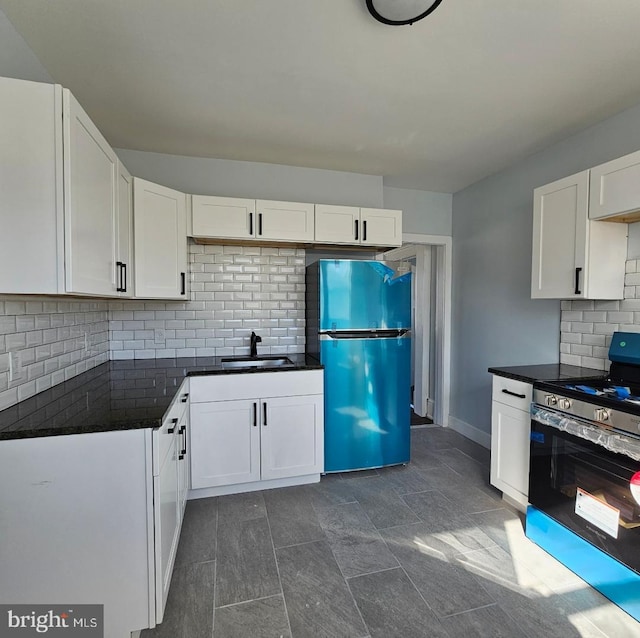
[234,290]
[586,326]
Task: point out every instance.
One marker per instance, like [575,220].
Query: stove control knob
[551,400]
[601,414]
[563,403]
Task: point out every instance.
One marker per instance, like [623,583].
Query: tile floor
[424,550]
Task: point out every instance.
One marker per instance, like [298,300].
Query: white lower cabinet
[170,485]
[226,443]
[510,429]
[247,429]
[77,524]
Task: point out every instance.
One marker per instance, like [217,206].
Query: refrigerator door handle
[402,333]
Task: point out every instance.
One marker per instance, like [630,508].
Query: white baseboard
[470,431]
[240,488]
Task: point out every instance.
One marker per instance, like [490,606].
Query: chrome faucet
[253,347]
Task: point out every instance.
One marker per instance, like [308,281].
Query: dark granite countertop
[117,395]
[547,372]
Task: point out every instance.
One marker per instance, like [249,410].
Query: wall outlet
[16,371]
[158,336]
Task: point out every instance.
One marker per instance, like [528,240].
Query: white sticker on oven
[597,512]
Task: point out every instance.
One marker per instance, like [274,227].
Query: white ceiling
[437,106]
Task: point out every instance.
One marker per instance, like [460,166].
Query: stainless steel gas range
[584,477]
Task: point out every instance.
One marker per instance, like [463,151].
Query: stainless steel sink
[256,362]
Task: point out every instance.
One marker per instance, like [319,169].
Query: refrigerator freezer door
[363,295]
[367,402]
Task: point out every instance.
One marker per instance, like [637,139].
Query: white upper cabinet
[236,218]
[124,244]
[31,187]
[615,188]
[90,177]
[284,221]
[60,203]
[337,224]
[573,257]
[381,227]
[225,217]
[160,241]
[352,225]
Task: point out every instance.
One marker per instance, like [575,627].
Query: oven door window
[588,489]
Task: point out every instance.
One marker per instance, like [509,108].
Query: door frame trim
[442,244]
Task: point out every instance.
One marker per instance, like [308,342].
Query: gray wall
[230,178]
[495,323]
[424,212]
[17,60]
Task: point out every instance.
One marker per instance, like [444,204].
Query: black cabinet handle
[173,429]
[264,414]
[183,433]
[364,230]
[259,223]
[184,397]
[183,283]
[577,290]
[255,414]
[515,394]
[124,278]
[119,276]
[356,230]
[251,224]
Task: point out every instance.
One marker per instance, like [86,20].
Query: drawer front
[511,392]
[163,436]
[221,387]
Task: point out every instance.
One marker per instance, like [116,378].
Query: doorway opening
[430,259]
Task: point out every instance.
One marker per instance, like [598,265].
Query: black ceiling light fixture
[401,12]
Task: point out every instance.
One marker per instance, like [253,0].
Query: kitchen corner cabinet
[62,236]
[614,189]
[160,241]
[360,226]
[510,429]
[252,219]
[96,517]
[248,432]
[574,257]
[90,204]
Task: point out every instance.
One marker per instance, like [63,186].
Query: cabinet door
[614,187]
[510,428]
[225,443]
[124,244]
[167,524]
[292,436]
[183,461]
[337,224]
[284,221]
[90,179]
[560,232]
[31,217]
[160,241]
[224,217]
[381,227]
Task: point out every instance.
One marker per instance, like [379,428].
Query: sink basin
[256,362]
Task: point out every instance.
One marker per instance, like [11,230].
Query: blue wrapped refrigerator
[358,325]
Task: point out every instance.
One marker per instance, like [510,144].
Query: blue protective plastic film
[610,577]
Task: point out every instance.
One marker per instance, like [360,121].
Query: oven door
[587,488]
